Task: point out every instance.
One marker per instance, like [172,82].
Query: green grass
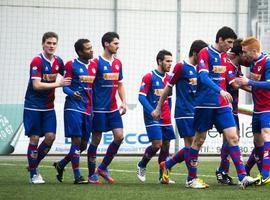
[14,184]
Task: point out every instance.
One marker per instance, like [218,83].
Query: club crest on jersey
[259,68]
[87,79]
[202,63]
[57,67]
[219,69]
[142,85]
[34,68]
[94,70]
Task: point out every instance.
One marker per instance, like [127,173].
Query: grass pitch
[14,183]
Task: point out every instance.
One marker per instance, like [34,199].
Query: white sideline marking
[112,170]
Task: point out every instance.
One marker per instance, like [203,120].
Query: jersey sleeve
[230,73]
[267,70]
[68,69]
[176,74]
[61,66]
[146,84]
[36,68]
[120,73]
[203,57]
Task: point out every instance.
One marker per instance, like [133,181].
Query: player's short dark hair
[109,37]
[237,47]
[79,45]
[196,47]
[161,55]
[49,35]
[225,32]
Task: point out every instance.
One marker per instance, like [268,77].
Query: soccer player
[39,115]
[233,65]
[78,107]
[159,132]
[107,115]
[259,79]
[212,100]
[184,76]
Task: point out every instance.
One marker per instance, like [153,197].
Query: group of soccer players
[206,94]
[91,86]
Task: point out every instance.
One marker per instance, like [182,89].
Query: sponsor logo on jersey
[50,77]
[111,76]
[87,79]
[255,77]
[158,92]
[193,81]
[219,69]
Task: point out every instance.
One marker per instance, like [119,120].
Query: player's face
[113,46]
[248,53]
[87,51]
[166,63]
[49,46]
[226,44]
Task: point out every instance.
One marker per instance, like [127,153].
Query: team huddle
[207,87]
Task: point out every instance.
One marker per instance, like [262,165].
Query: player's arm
[36,76]
[156,113]
[144,89]
[122,95]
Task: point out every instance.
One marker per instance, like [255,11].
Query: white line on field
[113,170]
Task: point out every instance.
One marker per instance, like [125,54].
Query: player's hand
[65,81]
[242,81]
[156,114]
[227,96]
[77,95]
[123,108]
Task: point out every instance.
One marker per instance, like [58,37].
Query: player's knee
[233,140]
[199,141]
[49,139]
[118,140]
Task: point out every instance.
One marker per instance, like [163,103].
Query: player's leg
[225,120]
[265,125]
[154,134]
[116,125]
[31,121]
[201,124]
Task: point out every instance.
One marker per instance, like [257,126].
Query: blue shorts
[77,124]
[103,122]
[205,118]
[259,121]
[185,127]
[236,119]
[39,122]
[160,133]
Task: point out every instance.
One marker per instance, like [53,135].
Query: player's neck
[217,47]
[48,56]
[159,69]
[191,60]
[108,56]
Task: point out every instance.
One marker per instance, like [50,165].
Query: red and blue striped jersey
[46,70]
[152,87]
[260,71]
[83,76]
[213,62]
[109,74]
[184,76]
